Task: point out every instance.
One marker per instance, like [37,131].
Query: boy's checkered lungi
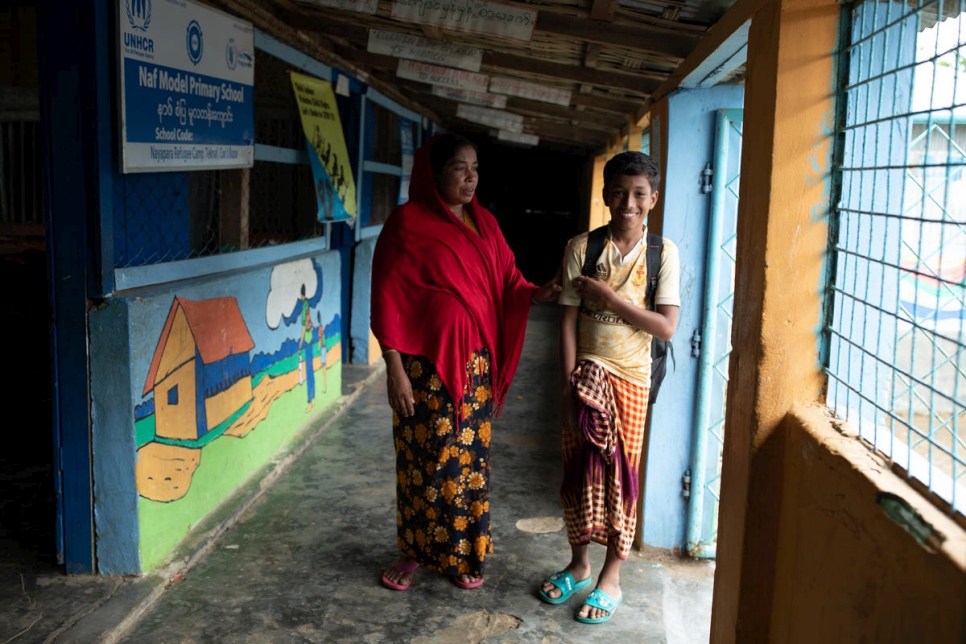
[601,458]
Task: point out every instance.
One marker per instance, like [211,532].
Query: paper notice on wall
[533,91]
[399,45]
[359,6]
[517,137]
[478,16]
[335,186]
[493,118]
[435,75]
[497,101]
[408,150]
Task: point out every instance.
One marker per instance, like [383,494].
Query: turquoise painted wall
[690,146]
[361,292]
[195,386]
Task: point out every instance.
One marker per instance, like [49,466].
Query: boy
[605,360]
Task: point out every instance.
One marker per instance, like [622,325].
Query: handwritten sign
[473,98]
[187,74]
[517,137]
[359,6]
[477,16]
[492,118]
[435,75]
[391,43]
[533,91]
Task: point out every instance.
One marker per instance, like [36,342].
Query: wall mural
[209,381]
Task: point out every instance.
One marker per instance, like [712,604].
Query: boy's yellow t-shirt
[602,336]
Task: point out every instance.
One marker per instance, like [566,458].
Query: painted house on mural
[201,370]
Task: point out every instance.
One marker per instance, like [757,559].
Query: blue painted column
[75,75]
[689,131]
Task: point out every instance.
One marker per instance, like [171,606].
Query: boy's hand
[594,290]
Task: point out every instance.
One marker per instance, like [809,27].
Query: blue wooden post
[75,113]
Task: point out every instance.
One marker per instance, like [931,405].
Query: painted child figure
[605,360]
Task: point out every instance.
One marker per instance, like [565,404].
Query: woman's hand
[594,290]
[550,291]
[398,387]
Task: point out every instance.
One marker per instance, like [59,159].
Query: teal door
[715,344]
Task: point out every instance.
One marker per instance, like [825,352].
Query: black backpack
[659,348]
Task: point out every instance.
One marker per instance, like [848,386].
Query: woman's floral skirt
[443,472]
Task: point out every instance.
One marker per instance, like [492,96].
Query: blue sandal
[567,585]
[599,599]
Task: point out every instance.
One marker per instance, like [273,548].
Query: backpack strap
[595,246]
[655,244]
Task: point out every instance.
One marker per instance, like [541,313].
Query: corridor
[303,564]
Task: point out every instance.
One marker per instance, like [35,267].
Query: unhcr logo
[138,13]
[139,17]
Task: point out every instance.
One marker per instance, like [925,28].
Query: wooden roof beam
[603,10]
[652,39]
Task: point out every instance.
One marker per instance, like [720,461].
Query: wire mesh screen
[21,177]
[380,190]
[160,217]
[895,336]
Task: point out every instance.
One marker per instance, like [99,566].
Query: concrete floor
[302,564]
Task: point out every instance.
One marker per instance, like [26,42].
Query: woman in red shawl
[449,309]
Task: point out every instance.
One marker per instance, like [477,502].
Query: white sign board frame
[186,79]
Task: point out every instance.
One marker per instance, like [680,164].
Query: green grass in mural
[227,463]
[208,436]
[144,431]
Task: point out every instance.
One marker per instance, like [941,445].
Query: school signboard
[186,78]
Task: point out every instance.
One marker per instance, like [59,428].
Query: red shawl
[440,290]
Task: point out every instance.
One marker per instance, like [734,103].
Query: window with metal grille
[383,169]
[896,321]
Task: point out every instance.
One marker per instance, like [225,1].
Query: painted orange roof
[217,326]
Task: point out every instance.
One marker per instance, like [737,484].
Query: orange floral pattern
[442,480]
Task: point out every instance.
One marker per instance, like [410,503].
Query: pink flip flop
[468,585]
[402,569]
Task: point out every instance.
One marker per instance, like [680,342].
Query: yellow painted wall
[225,403]
[177,421]
[599,214]
[846,572]
[803,553]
